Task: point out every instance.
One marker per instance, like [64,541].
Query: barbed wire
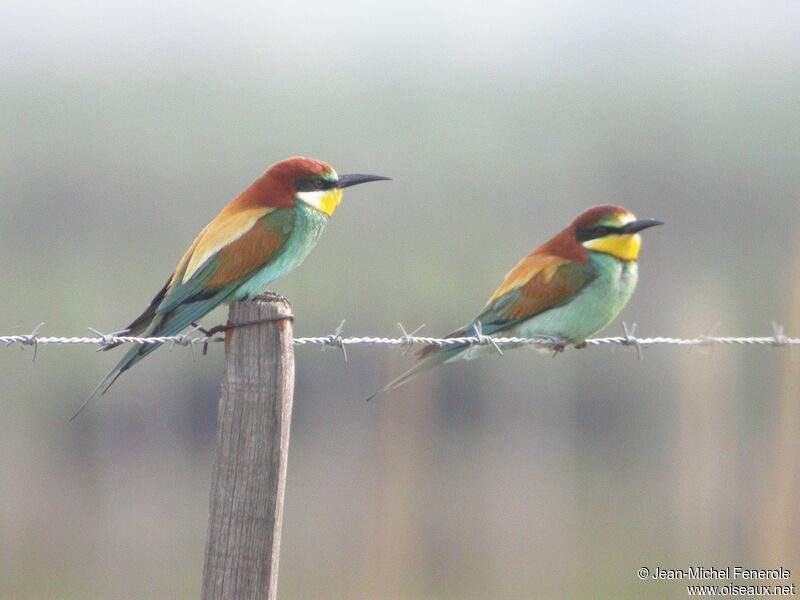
[407,340]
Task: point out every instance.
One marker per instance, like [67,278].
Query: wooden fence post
[249,474]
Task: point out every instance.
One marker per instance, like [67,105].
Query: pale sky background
[323,36]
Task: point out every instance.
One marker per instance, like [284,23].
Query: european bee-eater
[566,290]
[261,235]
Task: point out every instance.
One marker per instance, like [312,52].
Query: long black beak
[348,180]
[636,226]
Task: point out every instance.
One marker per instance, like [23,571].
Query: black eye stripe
[314,184]
[592,233]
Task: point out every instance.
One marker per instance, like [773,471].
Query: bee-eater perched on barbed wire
[566,290]
[261,235]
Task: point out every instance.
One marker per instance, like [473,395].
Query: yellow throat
[325,201]
[623,246]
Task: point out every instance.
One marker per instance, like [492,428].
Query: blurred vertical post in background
[249,476]
[705,460]
[394,548]
[781,502]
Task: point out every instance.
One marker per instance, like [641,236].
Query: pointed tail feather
[132,356]
[153,323]
[432,357]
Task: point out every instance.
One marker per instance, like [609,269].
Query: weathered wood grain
[249,473]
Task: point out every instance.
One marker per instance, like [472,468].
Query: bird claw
[557,346]
[271,297]
[580,346]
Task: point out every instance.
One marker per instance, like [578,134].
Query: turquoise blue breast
[301,226]
[595,306]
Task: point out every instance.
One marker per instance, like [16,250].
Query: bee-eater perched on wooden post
[261,235]
[566,290]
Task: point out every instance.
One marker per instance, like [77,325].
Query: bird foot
[231,326]
[580,346]
[271,297]
[558,345]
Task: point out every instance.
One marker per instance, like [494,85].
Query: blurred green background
[127,126]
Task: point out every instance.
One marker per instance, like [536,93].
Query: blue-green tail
[136,353]
[431,357]
[161,325]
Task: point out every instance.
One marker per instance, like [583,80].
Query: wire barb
[630,340]
[407,339]
[33,340]
[777,331]
[485,340]
[108,338]
[335,339]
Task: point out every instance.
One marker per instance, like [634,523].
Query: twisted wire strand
[407,340]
